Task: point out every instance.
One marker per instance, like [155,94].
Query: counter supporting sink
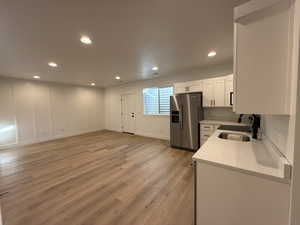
[234,137]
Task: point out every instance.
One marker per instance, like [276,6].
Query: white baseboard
[158,136]
[49,138]
[144,134]
[74,133]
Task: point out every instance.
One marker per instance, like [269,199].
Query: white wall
[276,128]
[33,111]
[220,113]
[153,126]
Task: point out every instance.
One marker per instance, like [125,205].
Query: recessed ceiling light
[36,77]
[118,78]
[86,40]
[52,64]
[93,84]
[155,68]
[212,54]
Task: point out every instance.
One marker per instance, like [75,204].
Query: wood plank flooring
[100,178]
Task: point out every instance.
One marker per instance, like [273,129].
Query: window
[157,100]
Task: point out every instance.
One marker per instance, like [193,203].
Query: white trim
[156,114]
[44,139]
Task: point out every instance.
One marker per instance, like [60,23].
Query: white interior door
[128,102]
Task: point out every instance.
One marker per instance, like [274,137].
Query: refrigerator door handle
[181,116]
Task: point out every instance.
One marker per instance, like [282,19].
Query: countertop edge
[245,171]
[220,122]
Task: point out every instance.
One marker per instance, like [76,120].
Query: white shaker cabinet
[229,91]
[194,86]
[208,93]
[187,87]
[179,88]
[214,92]
[219,92]
[225,196]
[262,56]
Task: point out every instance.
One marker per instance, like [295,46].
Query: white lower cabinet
[206,130]
[229,197]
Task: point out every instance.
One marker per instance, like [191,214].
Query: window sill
[156,115]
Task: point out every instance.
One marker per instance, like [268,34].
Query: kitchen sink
[241,128]
[234,137]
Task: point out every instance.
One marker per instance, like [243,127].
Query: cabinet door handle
[231,96]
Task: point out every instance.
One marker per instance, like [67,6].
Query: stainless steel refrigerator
[186,112]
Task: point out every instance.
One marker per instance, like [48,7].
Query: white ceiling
[129,37]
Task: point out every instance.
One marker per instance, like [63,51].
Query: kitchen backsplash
[276,128]
[220,113]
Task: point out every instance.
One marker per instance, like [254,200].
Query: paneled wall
[33,111]
[7,115]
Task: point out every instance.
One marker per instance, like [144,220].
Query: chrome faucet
[255,123]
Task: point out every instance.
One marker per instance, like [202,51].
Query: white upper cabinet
[262,56]
[194,86]
[217,92]
[229,90]
[179,88]
[208,93]
[214,92]
[187,87]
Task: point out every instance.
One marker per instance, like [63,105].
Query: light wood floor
[103,178]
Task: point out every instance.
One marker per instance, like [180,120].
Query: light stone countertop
[254,157]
